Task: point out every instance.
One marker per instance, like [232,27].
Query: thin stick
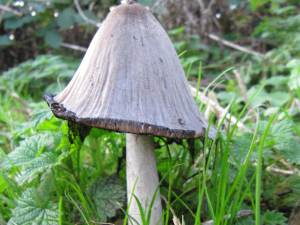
[274,169]
[74,47]
[8,9]
[218,110]
[234,46]
[241,214]
[128,1]
[83,16]
[241,84]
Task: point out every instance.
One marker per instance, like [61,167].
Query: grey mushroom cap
[131,80]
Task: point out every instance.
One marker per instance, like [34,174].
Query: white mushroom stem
[142,179]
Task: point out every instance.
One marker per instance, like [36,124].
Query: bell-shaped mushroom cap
[131,80]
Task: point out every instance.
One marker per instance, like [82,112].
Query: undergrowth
[49,176]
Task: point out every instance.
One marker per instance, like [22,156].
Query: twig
[274,169]
[25,109]
[202,5]
[218,110]
[234,46]
[295,107]
[74,47]
[157,4]
[8,9]
[212,2]
[241,214]
[286,164]
[83,16]
[128,1]
[241,84]
[2,11]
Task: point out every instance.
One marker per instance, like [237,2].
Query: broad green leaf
[17,22]
[108,196]
[31,210]
[3,184]
[13,24]
[277,81]
[277,98]
[66,18]
[53,39]
[4,40]
[255,4]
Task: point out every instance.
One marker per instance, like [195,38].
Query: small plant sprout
[131,81]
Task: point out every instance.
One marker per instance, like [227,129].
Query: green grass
[201,180]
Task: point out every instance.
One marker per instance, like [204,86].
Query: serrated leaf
[291,151]
[285,142]
[274,218]
[240,147]
[40,113]
[246,221]
[32,211]
[108,196]
[34,155]
[34,76]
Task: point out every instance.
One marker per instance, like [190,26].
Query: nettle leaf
[245,221]
[274,218]
[291,151]
[40,113]
[34,155]
[32,210]
[285,142]
[108,196]
[37,166]
[240,147]
[34,76]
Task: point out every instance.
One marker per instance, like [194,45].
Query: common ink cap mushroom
[131,80]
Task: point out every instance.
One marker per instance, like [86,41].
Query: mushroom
[131,80]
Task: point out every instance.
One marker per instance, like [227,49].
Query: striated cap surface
[131,80]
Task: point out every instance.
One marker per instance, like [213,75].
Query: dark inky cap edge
[118,125]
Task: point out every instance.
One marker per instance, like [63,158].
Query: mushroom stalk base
[142,178]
